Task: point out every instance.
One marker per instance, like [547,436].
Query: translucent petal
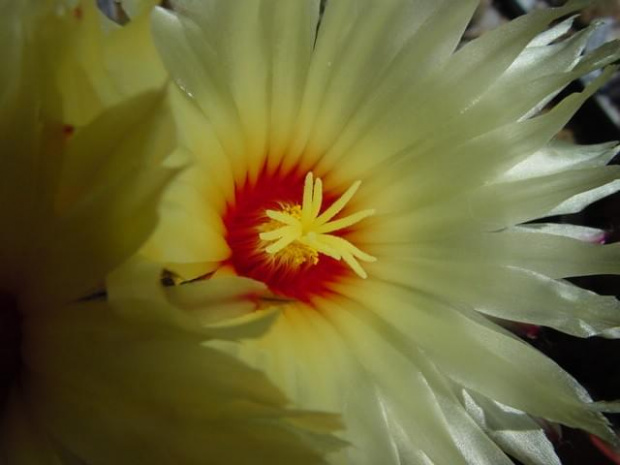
[482,357]
[454,88]
[92,60]
[293,26]
[469,164]
[508,293]
[559,156]
[110,391]
[553,33]
[336,23]
[556,255]
[537,74]
[505,204]
[377,410]
[367,51]
[242,62]
[557,251]
[202,80]
[426,49]
[187,200]
[123,45]
[578,202]
[308,337]
[414,401]
[124,194]
[516,432]
[479,63]
[138,130]
[197,136]
[220,307]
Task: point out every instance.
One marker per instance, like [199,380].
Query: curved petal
[102,226]
[92,60]
[198,76]
[113,391]
[559,156]
[427,131]
[483,357]
[452,89]
[426,50]
[219,307]
[509,293]
[517,433]
[505,204]
[548,250]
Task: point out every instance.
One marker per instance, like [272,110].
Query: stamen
[339,204]
[345,222]
[301,233]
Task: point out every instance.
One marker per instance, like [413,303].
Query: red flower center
[299,273]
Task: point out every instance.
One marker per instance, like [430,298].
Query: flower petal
[219,307]
[293,28]
[547,249]
[505,369]
[120,193]
[541,196]
[89,57]
[198,76]
[153,397]
[507,292]
[516,432]
[451,89]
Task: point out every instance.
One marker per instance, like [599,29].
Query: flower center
[280,234]
[296,252]
[304,232]
[10,344]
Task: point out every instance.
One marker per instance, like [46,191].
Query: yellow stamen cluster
[302,232]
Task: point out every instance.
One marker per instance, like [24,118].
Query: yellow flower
[96,63]
[377,180]
[122,379]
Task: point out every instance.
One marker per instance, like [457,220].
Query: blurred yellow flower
[117,379]
[441,155]
[94,62]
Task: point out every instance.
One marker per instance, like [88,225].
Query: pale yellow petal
[157,399]
[92,60]
[293,27]
[426,50]
[502,290]
[225,307]
[515,431]
[505,368]
[103,226]
[202,81]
